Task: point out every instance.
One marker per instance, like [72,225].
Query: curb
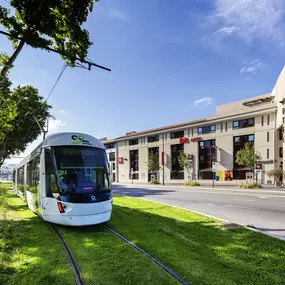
[170,187]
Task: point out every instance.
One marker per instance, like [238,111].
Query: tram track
[164,267]
[75,268]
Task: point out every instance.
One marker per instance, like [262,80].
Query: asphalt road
[263,209]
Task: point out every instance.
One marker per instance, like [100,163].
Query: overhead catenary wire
[57,80]
[59,52]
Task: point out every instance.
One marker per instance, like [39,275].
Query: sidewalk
[269,189]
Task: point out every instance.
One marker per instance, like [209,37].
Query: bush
[250,185]
[154,182]
[191,183]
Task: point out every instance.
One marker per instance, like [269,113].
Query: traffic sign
[214,167]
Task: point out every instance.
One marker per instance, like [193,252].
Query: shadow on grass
[199,251]
[30,251]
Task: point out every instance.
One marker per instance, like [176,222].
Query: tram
[66,180]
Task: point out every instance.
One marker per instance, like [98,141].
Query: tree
[184,161]
[153,163]
[45,24]
[278,173]
[21,129]
[247,156]
[8,107]
[271,173]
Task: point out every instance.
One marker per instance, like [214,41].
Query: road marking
[263,197]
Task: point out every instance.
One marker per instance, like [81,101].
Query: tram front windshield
[81,169]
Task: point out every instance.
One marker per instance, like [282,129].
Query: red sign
[184,140]
[196,139]
[121,160]
[258,166]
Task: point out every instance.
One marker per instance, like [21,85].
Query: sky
[171,61]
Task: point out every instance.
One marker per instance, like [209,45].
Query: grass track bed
[104,259]
[30,252]
[197,249]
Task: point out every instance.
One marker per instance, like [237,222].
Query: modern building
[6,171]
[258,121]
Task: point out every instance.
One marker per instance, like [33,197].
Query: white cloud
[206,101]
[250,68]
[251,20]
[62,111]
[226,30]
[118,14]
[54,125]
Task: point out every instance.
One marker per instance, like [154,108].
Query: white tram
[66,180]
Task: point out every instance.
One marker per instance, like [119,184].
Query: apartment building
[258,121]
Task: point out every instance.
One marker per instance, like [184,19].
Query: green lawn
[192,245]
[197,249]
[30,252]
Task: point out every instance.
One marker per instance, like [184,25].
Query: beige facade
[260,117]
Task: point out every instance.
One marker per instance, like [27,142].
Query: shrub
[250,185]
[191,183]
[154,182]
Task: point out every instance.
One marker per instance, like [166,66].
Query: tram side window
[51,184]
[33,175]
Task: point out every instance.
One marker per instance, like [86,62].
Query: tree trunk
[10,62]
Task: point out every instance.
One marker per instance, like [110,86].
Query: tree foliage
[55,24]
[278,173]
[153,162]
[17,126]
[247,156]
[184,161]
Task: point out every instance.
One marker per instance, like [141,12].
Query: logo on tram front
[80,140]
[93,197]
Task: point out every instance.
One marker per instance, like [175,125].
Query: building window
[281,135]
[268,153]
[207,155]
[221,127]
[267,136]
[110,145]
[243,123]
[112,156]
[268,119]
[262,120]
[114,166]
[154,138]
[283,111]
[206,130]
[226,126]
[177,135]
[239,171]
[283,120]
[134,162]
[134,142]
[177,171]
[192,132]
[280,152]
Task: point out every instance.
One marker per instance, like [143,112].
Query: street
[263,209]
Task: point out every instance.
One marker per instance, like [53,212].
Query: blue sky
[165,56]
